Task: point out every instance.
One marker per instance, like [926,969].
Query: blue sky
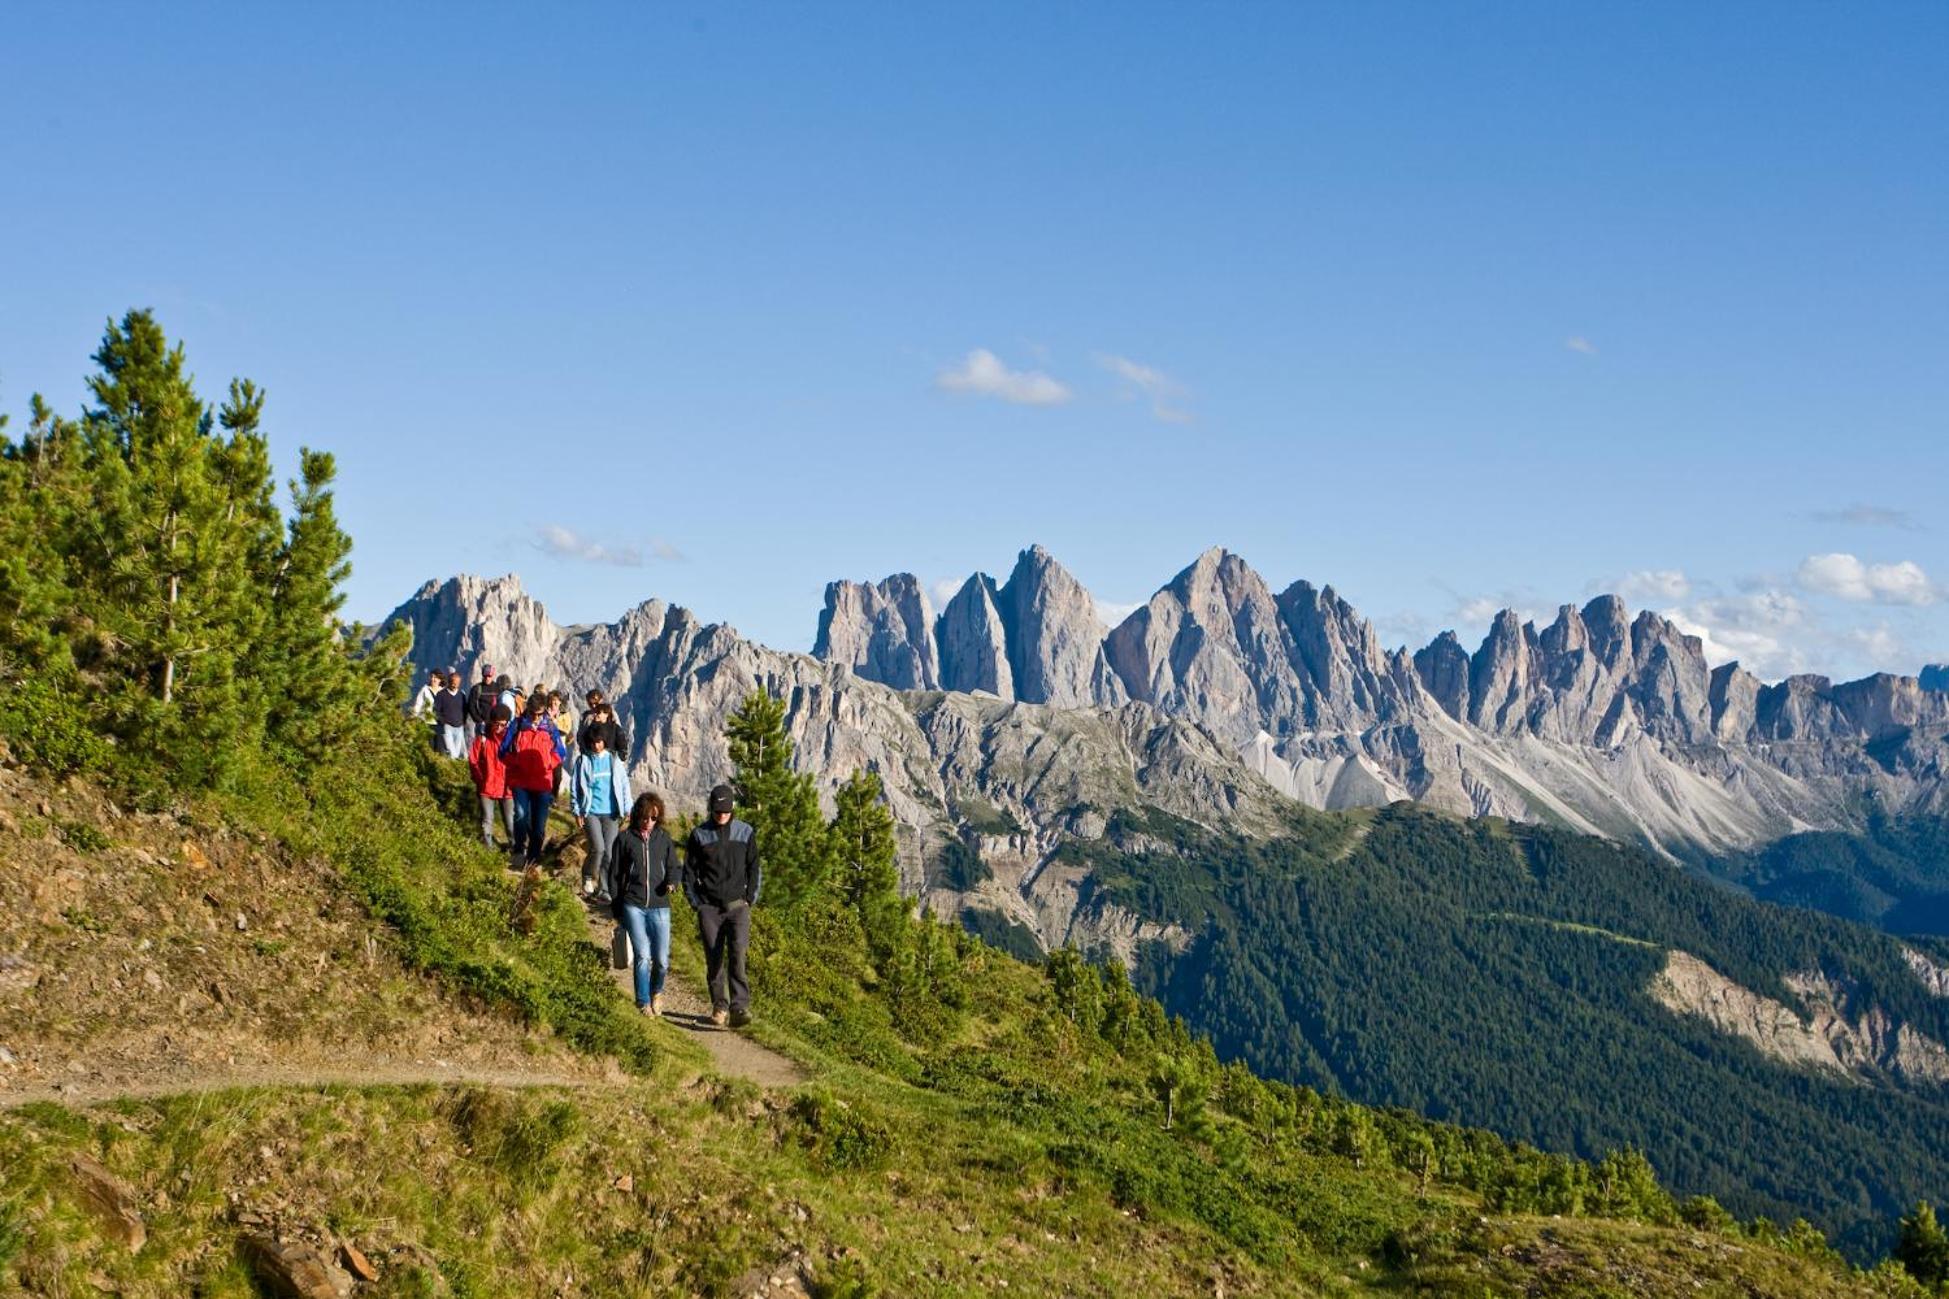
[1446,306]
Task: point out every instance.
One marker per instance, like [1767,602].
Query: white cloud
[1863,515]
[1848,578]
[1113,612]
[982,374]
[1578,343]
[1652,585]
[566,543]
[1766,631]
[1166,395]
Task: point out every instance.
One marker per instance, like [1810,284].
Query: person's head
[453,681]
[720,805]
[555,701]
[598,742]
[436,677]
[593,699]
[537,705]
[645,812]
[497,721]
[487,672]
[504,684]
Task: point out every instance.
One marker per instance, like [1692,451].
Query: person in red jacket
[534,752]
[491,774]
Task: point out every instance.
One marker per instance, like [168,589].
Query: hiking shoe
[648,1008]
[740,1017]
[720,1017]
[656,1004]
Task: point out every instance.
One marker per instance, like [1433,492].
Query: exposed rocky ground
[145,953]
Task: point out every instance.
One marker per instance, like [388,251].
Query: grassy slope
[996,1146]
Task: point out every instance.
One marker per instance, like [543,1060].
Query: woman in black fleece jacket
[641,870]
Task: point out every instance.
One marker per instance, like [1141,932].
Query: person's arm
[620,794]
[615,873]
[476,761]
[578,791]
[668,869]
[507,738]
[754,873]
[688,879]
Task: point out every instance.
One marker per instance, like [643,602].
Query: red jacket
[490,771]
[533,752]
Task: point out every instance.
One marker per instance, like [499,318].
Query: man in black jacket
[481,699]
[722,878]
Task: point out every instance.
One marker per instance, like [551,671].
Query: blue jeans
[649,946]
[452,740]
[530,824]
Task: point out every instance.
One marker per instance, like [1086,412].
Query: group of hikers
[518,747]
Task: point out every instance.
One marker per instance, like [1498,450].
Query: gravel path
[734,1052]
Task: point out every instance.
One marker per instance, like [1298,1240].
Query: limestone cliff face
[1827,1033]
[883,631]
[973,642]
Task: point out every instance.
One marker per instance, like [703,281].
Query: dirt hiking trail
[733,1052]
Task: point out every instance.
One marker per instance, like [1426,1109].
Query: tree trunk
[169,629]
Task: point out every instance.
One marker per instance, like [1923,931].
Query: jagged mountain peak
[883,630]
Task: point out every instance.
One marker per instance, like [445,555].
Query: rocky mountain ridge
[1610,723]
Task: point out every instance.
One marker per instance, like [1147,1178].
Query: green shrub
[49,726]
[841,1134]
[82,837]
[517,1134]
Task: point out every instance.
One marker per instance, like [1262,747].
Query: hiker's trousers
[726,932]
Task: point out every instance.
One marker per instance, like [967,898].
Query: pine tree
[42,492]
[316,696]
[863,846]
[781,804]
[1923,1248]
[167,553]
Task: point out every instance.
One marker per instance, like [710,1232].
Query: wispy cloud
[1650,586]
[1578,343]
[1766,631]
[982,374]
[1112,612]
[1862,515]
[1167,397]
[566,543]
[1848,578]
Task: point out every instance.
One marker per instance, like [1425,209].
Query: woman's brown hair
[648,807]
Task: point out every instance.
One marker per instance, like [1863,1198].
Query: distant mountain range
[1605,722]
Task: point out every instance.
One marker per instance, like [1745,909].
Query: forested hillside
[1500,975]
[1894,875]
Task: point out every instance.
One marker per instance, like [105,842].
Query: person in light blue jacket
[599,797]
